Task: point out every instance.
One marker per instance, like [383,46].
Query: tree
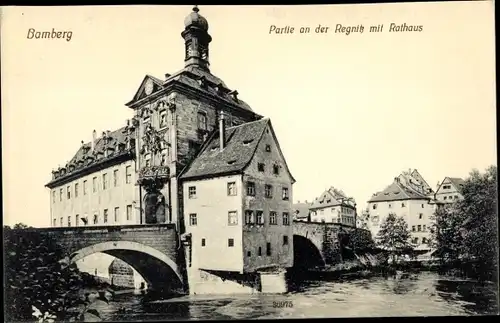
[394,236]
[466,231]
[39,279]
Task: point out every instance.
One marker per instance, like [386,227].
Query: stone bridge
[152,250]
[320,244]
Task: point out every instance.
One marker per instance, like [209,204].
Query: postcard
[249,162]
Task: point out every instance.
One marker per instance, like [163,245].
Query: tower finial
[195,8]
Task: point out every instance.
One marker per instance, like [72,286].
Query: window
[96,218]
[192,192]
[249,217]
[259,217]
[403,204]
[69,221]
[128,175]
[147,159]
[193,219]
[333,210]
[390,205]
[163,119]
[115,177]
[76,219]
[202,121]
[85,187]
[446,187]
[456,197]
[424,240]
[54,222]
[117,214]
[421,216]
[413,228]
[68,192]
[259,252]
[105,215]
[232,218]
[61,222]
[203,241]
[322,211]
[231,188]
[286,218]
[273,218]
[60,194]
[419,228]
[424,228]
[422,206]
[268,249]
[94,184]
[53,196]
[76,189]
[129,212]
[446,197]
[261,167]
[230,242]
[268,148]
[415,240]
[146,119]
[104,181]
[249,253]
[276,169]
[285,240]
[285,194]
[374,206]
[250,188]
[269,191]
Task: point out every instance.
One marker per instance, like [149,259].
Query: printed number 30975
[282,304]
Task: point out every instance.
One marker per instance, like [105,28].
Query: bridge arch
[158,269]
[306,253]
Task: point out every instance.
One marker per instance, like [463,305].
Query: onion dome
[194,19]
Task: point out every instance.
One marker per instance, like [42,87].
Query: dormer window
[202,82]
[146,119]
[246,142]
[234,95]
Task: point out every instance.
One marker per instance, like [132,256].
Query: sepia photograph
[210,162]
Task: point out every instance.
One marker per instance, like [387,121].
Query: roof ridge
[247,123]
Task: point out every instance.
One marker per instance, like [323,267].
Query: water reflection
[417,295]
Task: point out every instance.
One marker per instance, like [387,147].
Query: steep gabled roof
[241,143]
[396,192]
[458,183]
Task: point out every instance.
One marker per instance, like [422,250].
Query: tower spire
[196,39]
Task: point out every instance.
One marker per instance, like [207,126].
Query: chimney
[94,138]
[222,130]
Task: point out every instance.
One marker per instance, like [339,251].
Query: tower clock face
[148,88]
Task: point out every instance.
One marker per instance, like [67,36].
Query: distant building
[408,196]
[334,206]
[362,219]
[122,275]
[450,190]
[301,211]
[238,201]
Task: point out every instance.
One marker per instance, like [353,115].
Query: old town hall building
[188,126]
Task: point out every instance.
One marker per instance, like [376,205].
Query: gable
[449,185]
[269,153]
[148,82]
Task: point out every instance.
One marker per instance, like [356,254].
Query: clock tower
[196,39]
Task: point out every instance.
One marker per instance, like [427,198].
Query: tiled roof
[79,163]
[241,143]
[396,192]
[457,182]
[115,137]
[301,210]
[190,76]
[329,198]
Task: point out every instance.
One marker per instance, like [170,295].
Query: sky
[350,111]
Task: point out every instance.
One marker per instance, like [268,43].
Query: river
[424,294]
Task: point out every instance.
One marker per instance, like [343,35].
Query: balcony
[152,174]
